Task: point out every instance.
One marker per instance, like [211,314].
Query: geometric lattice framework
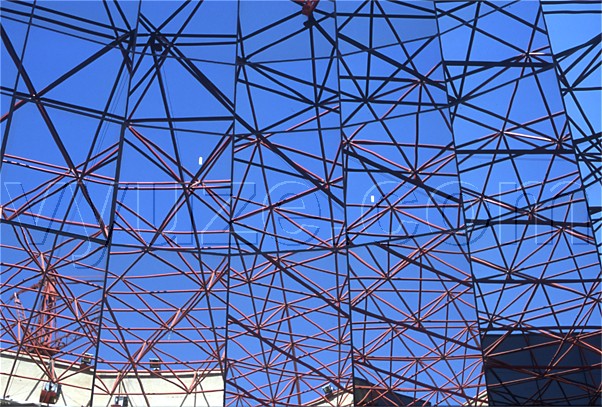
[378,203]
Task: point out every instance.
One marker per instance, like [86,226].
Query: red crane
[39,335]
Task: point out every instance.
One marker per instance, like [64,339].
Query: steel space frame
[369,202]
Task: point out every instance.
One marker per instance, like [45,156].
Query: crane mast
[39,335]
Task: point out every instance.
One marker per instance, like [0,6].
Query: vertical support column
[288,321]
[534,260]
[578,67]
[415,336]
[60,152]
[165,307]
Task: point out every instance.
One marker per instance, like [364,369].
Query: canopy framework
[377,197]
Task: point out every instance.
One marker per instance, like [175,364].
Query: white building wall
[25,384]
